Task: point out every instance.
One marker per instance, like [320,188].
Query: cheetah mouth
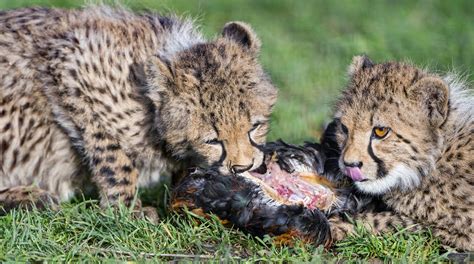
[355,174]
[300,187]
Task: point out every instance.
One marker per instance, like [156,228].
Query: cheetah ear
[158,78]
[433,95]
[243,34]
[159,72]
[158,66]
[359,63]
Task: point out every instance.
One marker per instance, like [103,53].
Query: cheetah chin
[401,176]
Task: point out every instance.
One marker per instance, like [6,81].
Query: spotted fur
[424,168]
[124,98]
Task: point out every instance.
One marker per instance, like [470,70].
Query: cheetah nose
[241,168]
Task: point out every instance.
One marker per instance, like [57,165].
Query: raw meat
[307,188]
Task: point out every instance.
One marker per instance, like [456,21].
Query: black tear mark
[381,169]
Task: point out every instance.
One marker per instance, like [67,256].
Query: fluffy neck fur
[461,107]
[174,33]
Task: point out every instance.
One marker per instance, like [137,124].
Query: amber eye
[380,132]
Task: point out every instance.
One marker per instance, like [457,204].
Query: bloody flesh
[304,188]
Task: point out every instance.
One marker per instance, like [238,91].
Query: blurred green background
[307,45]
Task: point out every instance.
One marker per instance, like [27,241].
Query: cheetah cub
[406,135]
[121,98]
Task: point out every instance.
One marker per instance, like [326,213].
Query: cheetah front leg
[342,226]
[26,197]
[113,172]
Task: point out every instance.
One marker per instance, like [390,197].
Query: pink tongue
[354,173]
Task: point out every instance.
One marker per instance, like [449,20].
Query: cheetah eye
[256,125]
[344,129]
[380,132]
[213,141]
[337,121]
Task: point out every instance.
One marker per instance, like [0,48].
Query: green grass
[83,231]
[307,46]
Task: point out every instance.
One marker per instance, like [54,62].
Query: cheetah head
[388,125]
[213,101]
